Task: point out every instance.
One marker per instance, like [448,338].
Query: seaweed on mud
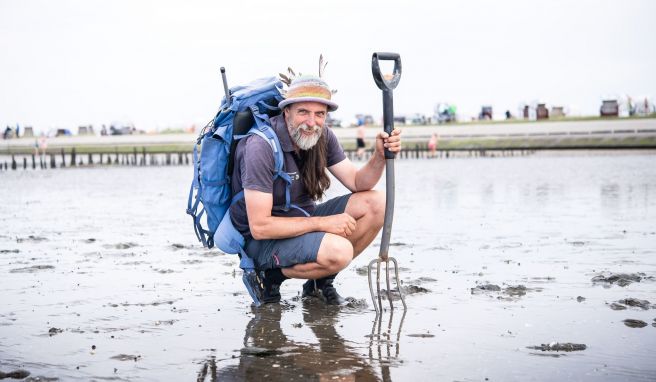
[32,269]
[16,374]
[163,271]
[363,270]
[127,245]
[54,331]
[126,357]
[512,290]
[355,303]
[557,346]
[407,290]
[421,335]
[31,238]
[633,323]
[485,288]
[9,251]
[143,304]
[621,279]
[616,306]
[632,302]
[517,290]
[543,279]
[191,262]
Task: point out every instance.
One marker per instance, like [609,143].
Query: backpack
[246,113]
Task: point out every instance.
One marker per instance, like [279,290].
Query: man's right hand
[342,224]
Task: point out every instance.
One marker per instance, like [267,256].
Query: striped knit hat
[308,88]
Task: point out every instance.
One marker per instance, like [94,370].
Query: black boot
[273,278]
[324,289]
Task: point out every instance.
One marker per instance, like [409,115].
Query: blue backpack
[246,113]
[212,168]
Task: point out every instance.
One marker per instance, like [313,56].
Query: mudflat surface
[524,268]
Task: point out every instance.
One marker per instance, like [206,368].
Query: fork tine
[387,280]
[398,281]
[371,285]
[380,298]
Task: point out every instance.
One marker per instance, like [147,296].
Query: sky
[156,63]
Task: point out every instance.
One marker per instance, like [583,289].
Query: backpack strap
[203,235]
[264,130]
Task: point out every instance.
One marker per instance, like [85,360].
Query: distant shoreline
[621,133]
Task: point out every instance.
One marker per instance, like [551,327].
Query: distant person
[17,131]
[432,146]
[103,131]
[40,147]
[647,106]
[43,144]
[508,114]
[359,141]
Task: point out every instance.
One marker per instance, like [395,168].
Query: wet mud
[543,263]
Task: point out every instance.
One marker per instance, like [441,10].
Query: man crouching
[306,241]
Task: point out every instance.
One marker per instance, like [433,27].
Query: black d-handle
[387,85]
[382,82]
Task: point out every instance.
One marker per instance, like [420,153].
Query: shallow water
[102,279]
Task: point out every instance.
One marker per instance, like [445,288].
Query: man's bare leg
[368,210]
[335,254]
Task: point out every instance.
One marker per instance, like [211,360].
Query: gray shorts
[283,253]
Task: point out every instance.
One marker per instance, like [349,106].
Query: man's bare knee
[335,253]
[378,201]
[369,204]
[374,203]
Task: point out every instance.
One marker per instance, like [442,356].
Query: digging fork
[386,83]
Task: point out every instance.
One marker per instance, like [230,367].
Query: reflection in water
[269,354]
[378,338]
[610,195]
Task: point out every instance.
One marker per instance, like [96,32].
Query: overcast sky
[156,63]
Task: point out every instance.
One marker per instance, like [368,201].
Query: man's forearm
[368,176]
[277,227]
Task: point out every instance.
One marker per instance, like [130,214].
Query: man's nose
[310,121]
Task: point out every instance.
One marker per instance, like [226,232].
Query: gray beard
[304,142]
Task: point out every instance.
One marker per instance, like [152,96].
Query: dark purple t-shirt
[254,170]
